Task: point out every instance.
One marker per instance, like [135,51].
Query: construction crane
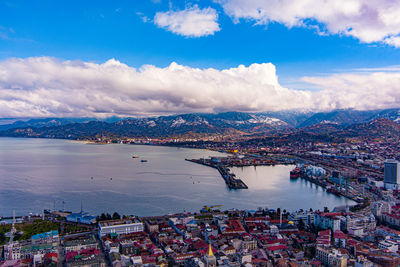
[211,208]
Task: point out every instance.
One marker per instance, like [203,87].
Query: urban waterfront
[35,173]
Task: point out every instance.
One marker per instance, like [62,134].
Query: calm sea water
[38,173]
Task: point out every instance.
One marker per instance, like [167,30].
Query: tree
[2,238]
[116,216]
[302,226]
[326,209]
[103,217]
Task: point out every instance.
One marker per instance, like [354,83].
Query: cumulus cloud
[48,87]
[367,20]
[43,86]
[190,22]
[374,90]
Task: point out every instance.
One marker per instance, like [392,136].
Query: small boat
[143,160]
[135,157]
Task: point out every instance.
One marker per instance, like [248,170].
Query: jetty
[230,178]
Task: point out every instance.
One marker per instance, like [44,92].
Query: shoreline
[196,208]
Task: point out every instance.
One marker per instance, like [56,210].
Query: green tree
[116,216]
[302,226]
[103,217]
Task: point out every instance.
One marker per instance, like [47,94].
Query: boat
[135,157]
[295,173]
[143,160]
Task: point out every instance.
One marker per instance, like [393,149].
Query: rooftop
[118,222]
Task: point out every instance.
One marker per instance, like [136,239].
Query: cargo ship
[295,173]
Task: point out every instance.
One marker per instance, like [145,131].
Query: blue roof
[45,235]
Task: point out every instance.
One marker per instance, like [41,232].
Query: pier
[325,182]
[230,178]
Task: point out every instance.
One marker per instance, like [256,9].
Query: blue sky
[127,31]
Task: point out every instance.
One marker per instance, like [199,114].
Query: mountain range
[352,122]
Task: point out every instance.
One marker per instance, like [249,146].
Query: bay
[42,173]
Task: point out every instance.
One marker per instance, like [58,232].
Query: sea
[38,174]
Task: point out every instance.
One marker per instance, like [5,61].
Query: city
[200,133]
[366,234]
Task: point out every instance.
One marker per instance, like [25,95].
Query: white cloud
[190,22]
[373,90]
[143,17]
[48,87]
[367,20]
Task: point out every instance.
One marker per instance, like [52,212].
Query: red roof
[325,232]
[339,234]
[352,242]
[316,263]
[51,255]
[279,221]
[278,247]
[234,226]
[256,219]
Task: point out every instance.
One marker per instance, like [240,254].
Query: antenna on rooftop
[81,206]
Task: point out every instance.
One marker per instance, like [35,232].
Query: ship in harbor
[295,173]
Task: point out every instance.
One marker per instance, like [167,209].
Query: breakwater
[230,178]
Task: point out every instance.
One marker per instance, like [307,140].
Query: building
[48,237]
[331,257]
[380,207]
[307,217]
[81,217]
[391,218]
[119,227]
[340,239]
[391,174]
[384,231]
[82,242]
[152,226]
[327,220]
[389,245]
[210,259]
[363,262]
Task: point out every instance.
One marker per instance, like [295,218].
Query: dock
[230,178]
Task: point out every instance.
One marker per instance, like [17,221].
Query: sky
[158,57]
